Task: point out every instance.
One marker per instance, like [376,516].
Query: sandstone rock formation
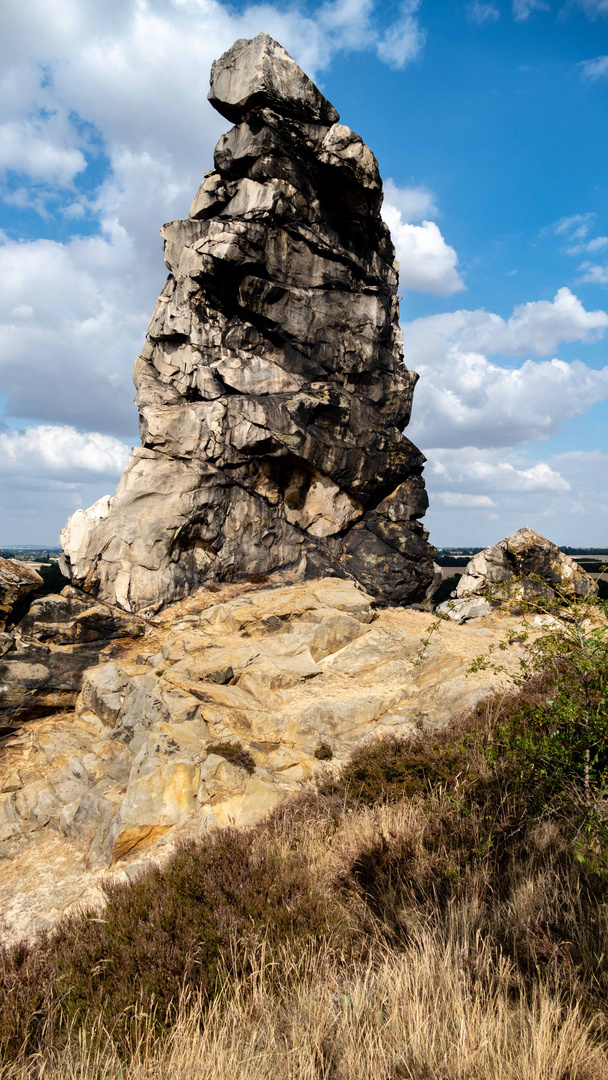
[43,658]
[16,581]
[271,389]
[150,753]
[524,564]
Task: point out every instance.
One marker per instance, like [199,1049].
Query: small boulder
[462,609]
[259,73]
[103,693]
[524,565]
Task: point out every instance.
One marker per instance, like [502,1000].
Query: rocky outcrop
[524,565]
[16,581]
[44,658]
[225,707]
[272,391]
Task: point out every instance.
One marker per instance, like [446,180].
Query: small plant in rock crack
[421,654]
[324,752]
[235,754]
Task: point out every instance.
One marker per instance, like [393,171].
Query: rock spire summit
[259,73]
[271,388]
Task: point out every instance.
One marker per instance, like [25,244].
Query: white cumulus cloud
[26,147]
[49,471]
[413,203]
[593,274]
[72,319]
[485,470]
[61,453]
[426,262]
[464,398]
[558,497]
[404,40]
[460,500]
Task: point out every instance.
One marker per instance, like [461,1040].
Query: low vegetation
[234,753]
[436,910]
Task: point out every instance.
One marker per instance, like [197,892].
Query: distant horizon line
[444,547]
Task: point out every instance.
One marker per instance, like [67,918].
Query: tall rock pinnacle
[271,389]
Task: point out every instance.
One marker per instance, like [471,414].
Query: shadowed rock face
[43,658]
[271,388]
[16,581]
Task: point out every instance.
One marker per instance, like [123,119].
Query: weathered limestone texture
[524,564]
[271,389]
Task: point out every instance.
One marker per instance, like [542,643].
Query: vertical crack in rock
[271,389]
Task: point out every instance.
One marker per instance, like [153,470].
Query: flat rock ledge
[276,673]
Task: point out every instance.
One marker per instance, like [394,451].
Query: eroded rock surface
[524,564]
[463,609]
[44,657]
[16,581]
[143,759]
[271,389]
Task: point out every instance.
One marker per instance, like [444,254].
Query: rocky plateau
[231,703]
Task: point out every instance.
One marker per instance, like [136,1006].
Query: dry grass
[437,1010]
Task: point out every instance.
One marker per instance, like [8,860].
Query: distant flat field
[33,565]
[601,560]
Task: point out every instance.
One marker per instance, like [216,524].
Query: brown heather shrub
[186,927]
[432,1011]
[393,768]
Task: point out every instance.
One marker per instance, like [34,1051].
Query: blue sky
[488,120]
